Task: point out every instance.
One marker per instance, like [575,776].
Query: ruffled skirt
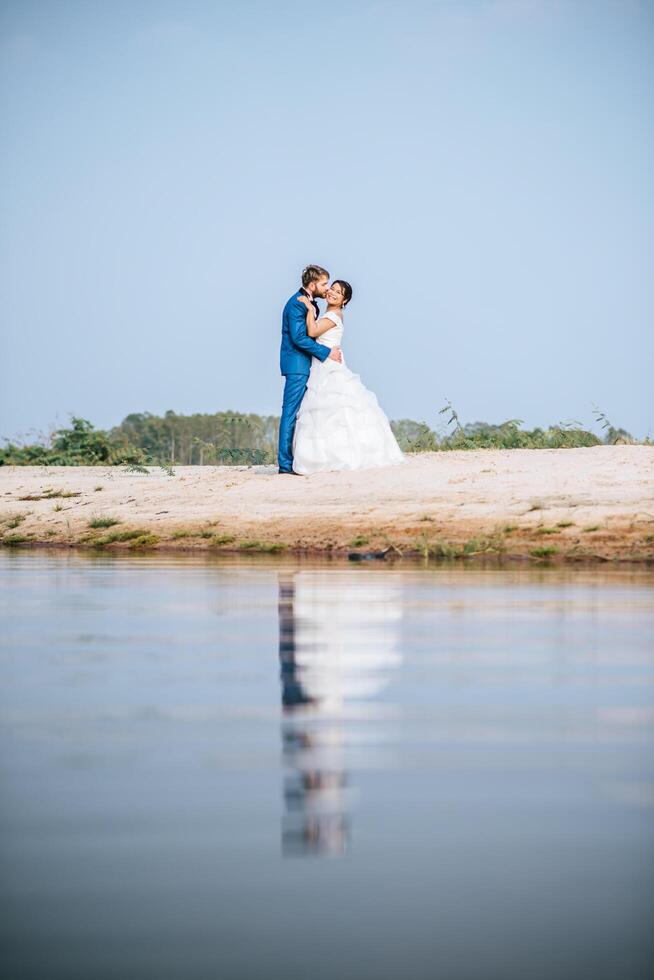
[340,425]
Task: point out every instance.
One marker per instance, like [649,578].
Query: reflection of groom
[315,820]
[295,357]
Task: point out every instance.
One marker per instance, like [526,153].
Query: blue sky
[481,172]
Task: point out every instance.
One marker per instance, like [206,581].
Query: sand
[439,501]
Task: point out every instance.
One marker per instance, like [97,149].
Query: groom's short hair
[313,273]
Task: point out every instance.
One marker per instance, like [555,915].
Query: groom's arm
[297,328]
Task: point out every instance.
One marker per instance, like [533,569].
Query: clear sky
[481,172]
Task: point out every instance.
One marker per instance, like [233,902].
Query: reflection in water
[332,653]
[491,806]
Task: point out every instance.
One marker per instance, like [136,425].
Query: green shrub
[144,541]
[544,551]
[262,546]
[120,536]
[96,522]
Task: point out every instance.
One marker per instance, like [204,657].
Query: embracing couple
[330,420]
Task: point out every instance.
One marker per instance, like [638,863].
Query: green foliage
[266,547]
[415,437]
[13,520]
[359,541]
[120,536]
[612,436]
[224,438]
[13,540]
[492,543]
[477,546]
[544,551]
[509,435]
[96,522]
[418,437]
[143,440]
[144,541]
[79,445]
[441,549]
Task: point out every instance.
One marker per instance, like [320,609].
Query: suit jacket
[297,347]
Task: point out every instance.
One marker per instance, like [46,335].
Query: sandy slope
[434,497]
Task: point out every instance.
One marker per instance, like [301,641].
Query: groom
[295,357]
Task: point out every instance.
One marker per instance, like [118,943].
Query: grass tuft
[591,527]
[440,549]
[544,551]
[51,495]
[264,547]
[14,520]
[360,540]
[218,539]
[103,521]
[144,541]
[120,536]
[478,546]
[12,540]
[509,528]
[546,530]
[565,524]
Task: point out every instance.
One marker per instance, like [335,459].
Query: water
[264,769]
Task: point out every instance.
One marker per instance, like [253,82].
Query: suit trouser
[294,388]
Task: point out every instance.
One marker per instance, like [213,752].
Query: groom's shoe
[288,473]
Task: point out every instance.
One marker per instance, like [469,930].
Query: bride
[340,425]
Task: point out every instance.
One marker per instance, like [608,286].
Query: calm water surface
[276,769]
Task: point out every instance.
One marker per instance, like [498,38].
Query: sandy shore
[592,504]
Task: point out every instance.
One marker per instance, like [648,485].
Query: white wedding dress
[340,425]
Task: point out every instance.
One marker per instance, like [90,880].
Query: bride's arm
[315,328]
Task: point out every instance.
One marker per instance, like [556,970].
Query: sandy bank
[595,503]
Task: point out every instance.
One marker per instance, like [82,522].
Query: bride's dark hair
[347,290]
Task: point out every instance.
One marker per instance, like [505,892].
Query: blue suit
[295,355]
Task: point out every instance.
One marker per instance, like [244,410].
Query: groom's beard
[312,300]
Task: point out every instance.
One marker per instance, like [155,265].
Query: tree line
[234,438]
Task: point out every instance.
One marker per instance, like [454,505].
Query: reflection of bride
[345,636]
[338,642]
